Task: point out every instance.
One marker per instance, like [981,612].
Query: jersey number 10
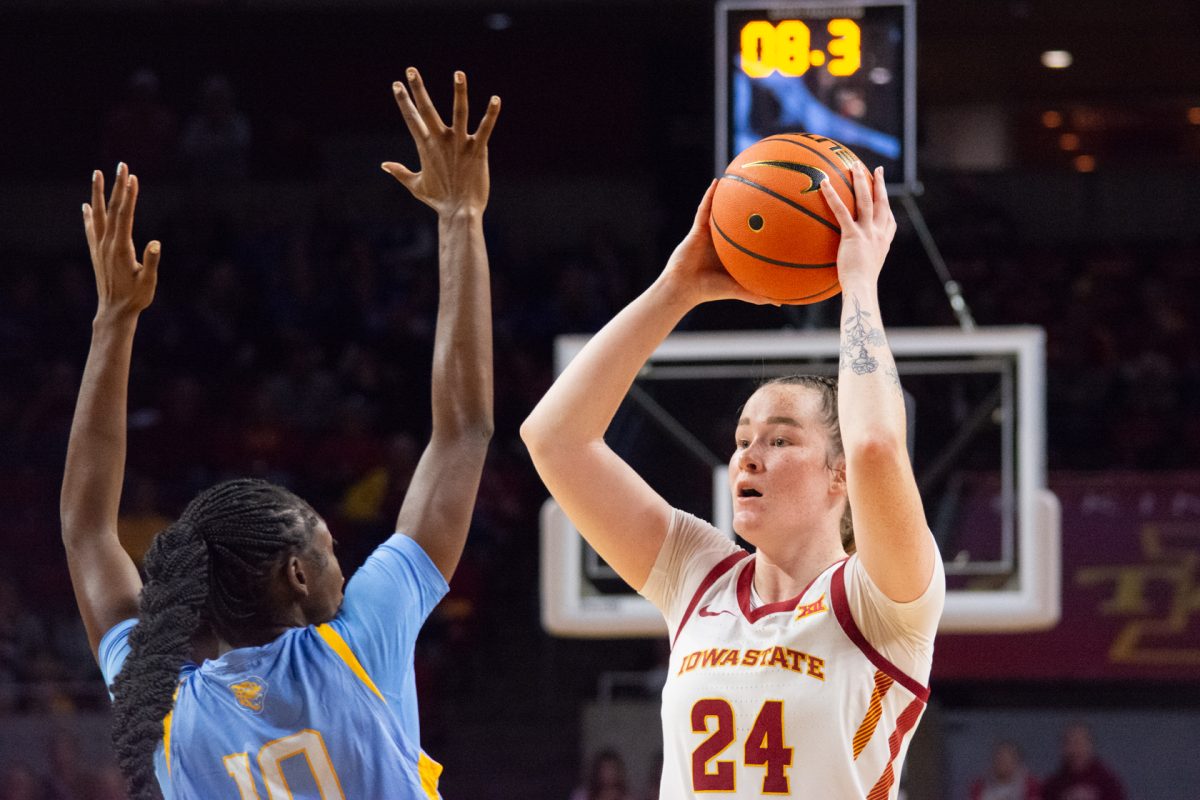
[765,747]
[307,743]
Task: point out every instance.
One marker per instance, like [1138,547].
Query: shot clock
[842,70]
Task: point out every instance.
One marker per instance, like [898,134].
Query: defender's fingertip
[411,72]
[154,248]
[459,76]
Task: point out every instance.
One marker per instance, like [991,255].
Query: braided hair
[213,565]
[827,388]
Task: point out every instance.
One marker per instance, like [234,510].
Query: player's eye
[779,441]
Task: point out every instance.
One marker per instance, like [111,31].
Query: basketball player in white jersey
[797,671]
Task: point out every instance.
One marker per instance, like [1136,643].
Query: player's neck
[250,640]
[783,575]
[265,634]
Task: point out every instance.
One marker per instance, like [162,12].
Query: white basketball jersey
[785,699]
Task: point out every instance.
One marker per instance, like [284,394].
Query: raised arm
[105,578]
[890,530]
[616,511]
[454,182]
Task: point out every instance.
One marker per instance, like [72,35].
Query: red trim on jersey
[905,723]
[841,609]
[755,614]
[722,566]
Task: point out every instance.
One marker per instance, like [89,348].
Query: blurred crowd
[213,142]
[1081,773]
[1123,355]
[70,775]
[606,778]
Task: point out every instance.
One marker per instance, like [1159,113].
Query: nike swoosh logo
[814,174]
[704,612]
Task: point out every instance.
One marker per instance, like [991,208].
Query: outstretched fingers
[150,261]
[399,172]
[98,207]
[458,118]
[120,184]
[429,114]
[484,132]
[412,118]
[125,214]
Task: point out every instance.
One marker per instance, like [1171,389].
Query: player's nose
[748,459]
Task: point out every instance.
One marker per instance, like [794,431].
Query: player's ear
[837,475]
[296,576]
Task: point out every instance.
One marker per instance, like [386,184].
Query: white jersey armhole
[902,632]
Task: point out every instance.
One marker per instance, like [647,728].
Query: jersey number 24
[764,747]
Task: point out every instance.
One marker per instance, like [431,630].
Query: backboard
[979,458]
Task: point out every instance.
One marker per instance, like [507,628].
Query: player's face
[325,585]
[779,474]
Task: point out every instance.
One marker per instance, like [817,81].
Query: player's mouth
[746,491]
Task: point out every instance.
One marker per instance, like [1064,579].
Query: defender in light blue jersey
[305,692]
[235,723]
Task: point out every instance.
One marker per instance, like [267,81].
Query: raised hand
[694,269]
[454,168]
[867,238]
[124,286]
[105,579]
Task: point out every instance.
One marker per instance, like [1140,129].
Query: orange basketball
[773,230]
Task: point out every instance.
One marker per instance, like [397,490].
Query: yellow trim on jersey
[339,646]
[167,730]
[430,771]
[866,729]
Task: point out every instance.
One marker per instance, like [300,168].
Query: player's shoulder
[400,553]
[695,548]
[686,529]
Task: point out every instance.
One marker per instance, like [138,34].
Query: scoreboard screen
[842,70]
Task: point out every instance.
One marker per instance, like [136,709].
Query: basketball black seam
[819,154]
[807,296]
[791,203]
[777,263]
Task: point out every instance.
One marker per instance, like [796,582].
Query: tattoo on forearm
[857,335]
[894,374]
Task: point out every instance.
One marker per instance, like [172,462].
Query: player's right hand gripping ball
[772,229]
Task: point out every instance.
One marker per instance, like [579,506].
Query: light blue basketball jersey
[326,711]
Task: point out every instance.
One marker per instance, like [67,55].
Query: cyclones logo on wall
[1131,589]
